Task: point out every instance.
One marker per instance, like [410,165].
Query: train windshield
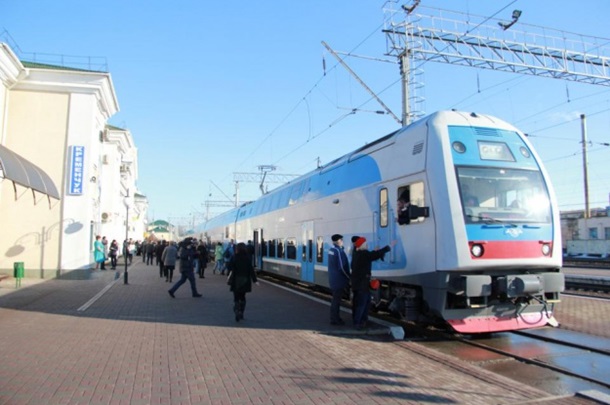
[491,195]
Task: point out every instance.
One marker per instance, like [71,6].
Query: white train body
[483,252]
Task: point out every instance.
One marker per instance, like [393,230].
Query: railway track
[587,285]
[594,263]
[431,335]
[549,362]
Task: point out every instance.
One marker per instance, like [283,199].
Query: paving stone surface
[137,345]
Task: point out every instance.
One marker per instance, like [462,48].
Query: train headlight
[476,250]
[524,152]
[546,249]
[459,147]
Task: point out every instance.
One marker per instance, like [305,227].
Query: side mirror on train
[413,212]
[416,212]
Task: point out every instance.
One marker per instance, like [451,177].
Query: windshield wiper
[487,220]
[490,220]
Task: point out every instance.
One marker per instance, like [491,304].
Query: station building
[65,174]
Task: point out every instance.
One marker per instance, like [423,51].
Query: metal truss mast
[420,33]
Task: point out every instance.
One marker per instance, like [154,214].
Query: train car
[479,246]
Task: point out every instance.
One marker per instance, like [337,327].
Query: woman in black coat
[241,277]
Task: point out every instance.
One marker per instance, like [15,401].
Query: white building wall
[76,249]
[42,113]
[112,204]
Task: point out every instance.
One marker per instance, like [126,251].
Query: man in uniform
[338,277]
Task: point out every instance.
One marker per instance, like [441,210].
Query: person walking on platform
[250,248]
[186,255]
[150,251]
[105,244]
[132,250]
[195,256]
[169,257]
[159,252]
[114,252]
[202,249]
[241,277]
[228,256]
[98,253]
[362,260]
[338,277]
[218,258]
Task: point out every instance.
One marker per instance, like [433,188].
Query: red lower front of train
[510,249]
[488,324]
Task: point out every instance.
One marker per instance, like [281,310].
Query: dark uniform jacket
[338,268]
[361,267]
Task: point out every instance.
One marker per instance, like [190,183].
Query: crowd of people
[104,251]
[191,257]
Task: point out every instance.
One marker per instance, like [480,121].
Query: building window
[607,233]
[592,233]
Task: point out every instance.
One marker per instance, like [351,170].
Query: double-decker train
[481,246]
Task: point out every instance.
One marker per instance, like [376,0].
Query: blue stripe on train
[507,232]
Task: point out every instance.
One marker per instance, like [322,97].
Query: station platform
[96,340]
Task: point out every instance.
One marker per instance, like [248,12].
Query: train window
[491,194]
[412,194]
[320,249]
[271,248]
[296,193]
[291,248]
[383,207]
[310,246]
[264,247]
[280,248]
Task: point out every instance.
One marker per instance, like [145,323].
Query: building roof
[38,65]
[113,128]
[159,222]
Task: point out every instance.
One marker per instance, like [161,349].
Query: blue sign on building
[77,163]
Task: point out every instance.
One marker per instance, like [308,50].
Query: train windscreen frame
[497,195]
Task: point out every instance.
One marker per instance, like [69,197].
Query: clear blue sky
[212,88]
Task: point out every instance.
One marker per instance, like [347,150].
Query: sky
[210,89]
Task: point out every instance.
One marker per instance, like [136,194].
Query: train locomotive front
[488,257]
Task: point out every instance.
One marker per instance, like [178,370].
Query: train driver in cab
[403,203]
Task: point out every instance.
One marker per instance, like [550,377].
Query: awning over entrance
[26,173]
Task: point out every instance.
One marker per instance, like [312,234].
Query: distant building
[586,236]
[63,171]
[161,230]
[118,175]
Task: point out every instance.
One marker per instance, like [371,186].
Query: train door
[382,220]
[258,257]
[307,252]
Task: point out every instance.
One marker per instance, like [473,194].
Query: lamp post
[126,202]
